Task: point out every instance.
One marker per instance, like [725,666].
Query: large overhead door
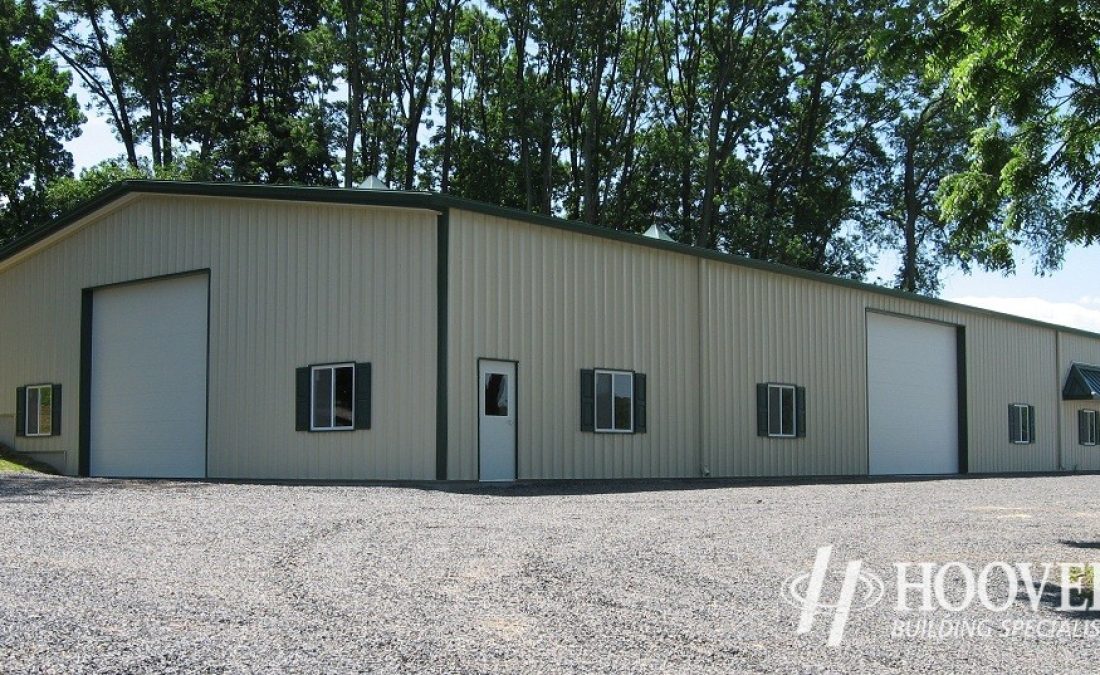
[148,379]
[912,391]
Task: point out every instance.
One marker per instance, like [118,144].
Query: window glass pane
[624,401]
[603,401]
[322,398]
[496,395]
[344,415]
[788,411]
[775,411]
[32,412]
[45,410]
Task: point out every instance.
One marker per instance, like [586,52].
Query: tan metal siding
[1076,349]
[706,332]
[558,302]
[291,284]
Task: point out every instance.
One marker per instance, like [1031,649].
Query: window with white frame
[333,397]
[1021,423]
[39,420]
[1087,420]
[782,415]
[614,401]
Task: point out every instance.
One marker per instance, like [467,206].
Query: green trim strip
[441,203]
[442,270]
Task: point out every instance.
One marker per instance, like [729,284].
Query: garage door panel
[912,389]
[148,384]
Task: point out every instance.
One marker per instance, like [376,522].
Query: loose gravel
[139,576]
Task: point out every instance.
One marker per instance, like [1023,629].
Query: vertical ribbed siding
[557,302]
[1076,349]
[1007,362]
[764,327]
[706,332]
[290,284]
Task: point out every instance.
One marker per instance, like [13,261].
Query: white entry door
[912,396]
[497,419]
[148,384]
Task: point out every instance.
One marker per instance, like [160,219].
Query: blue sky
[1069,296]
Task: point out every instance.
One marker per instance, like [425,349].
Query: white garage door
[148,380]
[912,390]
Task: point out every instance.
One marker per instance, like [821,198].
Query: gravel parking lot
[124,576]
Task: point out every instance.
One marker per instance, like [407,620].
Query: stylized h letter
[812,601]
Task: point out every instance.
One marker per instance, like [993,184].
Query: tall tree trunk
[352,10]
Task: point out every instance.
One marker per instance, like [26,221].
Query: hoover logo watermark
[858,589]
[952,587]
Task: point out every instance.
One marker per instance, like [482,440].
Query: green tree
[38,115]
[1028,73]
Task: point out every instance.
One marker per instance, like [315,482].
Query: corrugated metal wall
[706,332]
[558,302]
[1076,349]
[291,284]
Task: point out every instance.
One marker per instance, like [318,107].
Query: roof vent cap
[373,183]
[656,232]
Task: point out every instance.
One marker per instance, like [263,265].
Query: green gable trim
[1082,383]
[441,203]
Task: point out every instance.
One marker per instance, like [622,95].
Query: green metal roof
[441,202]
[1082,383]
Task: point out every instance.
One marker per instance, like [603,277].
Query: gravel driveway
[123,576]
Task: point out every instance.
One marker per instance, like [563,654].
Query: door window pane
[603,401]
[344,395]
[496,395]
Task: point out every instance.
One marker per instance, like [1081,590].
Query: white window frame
[596,401]
[1092,426]
[36,412]
[1023,418]
[794,408]
[332,397]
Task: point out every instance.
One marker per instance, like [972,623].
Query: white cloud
[1063,313]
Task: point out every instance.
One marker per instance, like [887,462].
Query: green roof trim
[441,202]
[1082,383]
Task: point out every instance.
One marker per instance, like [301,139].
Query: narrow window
[782,418]
[1020,423]
[333,397]
[1089,431]
[614,401]
[40,410]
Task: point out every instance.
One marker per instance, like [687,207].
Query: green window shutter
[1031,424]
[800,414]
[639,404]
[302,399]
[55,421]
[362,396]
[21,411]
[1082,427]
[762,410]
[1013,424]
[588,400]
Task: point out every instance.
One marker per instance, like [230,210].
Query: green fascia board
[1082,383]
[440,203]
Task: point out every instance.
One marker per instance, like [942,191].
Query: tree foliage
[814,133]
[37,115]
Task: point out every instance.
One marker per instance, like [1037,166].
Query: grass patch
[14,462]
[1085,575]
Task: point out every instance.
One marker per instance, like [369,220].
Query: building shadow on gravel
[1051,599]
[1081,544]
